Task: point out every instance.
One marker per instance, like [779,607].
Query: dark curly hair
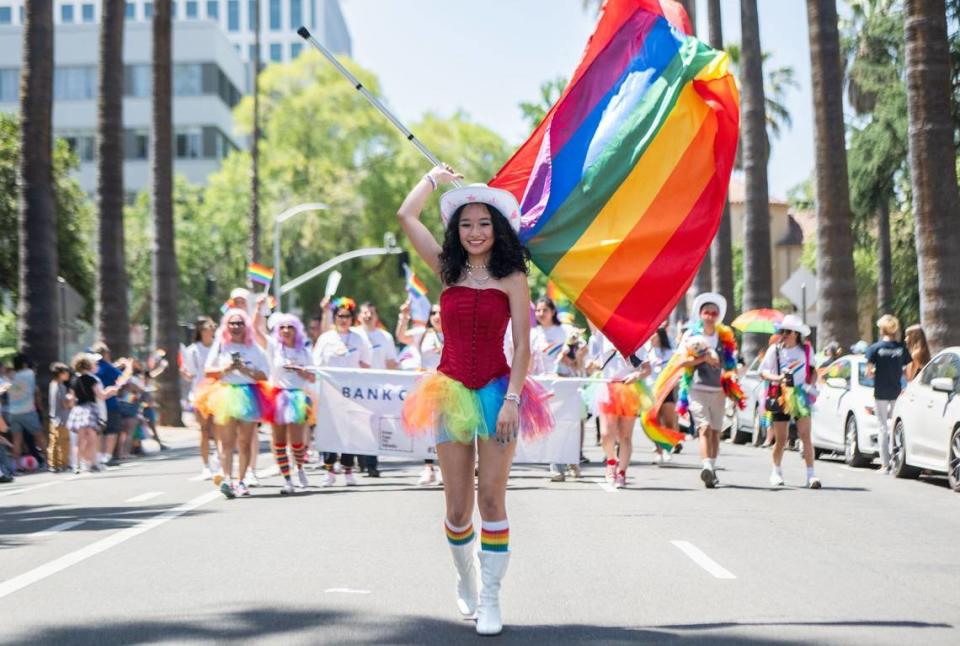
[507,256]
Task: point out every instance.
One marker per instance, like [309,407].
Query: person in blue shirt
[887,359]
[108,374]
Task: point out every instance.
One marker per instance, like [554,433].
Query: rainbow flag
[419,303]
[622,185]
[259,274]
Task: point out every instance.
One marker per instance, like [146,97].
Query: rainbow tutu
[293,406]
[618,399]
[241,402]
[456,413]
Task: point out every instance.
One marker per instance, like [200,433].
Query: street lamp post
[280,219]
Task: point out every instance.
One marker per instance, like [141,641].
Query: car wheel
[953,456]
[851,448]
[898,455]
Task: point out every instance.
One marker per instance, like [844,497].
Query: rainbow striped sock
[298,451]
[283,460]
[495,536]
[459,535]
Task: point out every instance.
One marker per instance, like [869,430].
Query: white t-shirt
[792,360]
[280,356]
[546,348]
[195,361]
[431,348]
[616,366]
[342,351]
[382,345]
[250,355]
[658,358]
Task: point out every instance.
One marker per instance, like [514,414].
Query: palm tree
[255,141]
[757,288]
[113,324]
[721,250]
[933,176]
[836,291]
[37,313]
[163,311]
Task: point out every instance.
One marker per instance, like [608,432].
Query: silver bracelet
[512,397]
[432,181]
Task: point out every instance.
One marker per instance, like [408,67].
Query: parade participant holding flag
[659,353]
[788,366]
[475,403]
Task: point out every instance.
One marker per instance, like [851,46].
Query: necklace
[478,281]
[469,266]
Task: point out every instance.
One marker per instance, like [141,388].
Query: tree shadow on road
[328,626]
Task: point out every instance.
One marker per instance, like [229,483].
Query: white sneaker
[557,476]
[206,474]
[667,456]
[776,480]
[252,480]
[240,489]
[813,483]
[287,486]
[302,477]
[658,458]
[427,477]
[214,462]
[329,479]
[348,478]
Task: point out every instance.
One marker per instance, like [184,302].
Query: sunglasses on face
[344,316]
[710,313]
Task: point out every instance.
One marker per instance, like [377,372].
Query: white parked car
[843,416]
[926,421]
[748,418]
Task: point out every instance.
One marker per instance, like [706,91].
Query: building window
[147,10]
[213,10]
[86,13]
[9,85]
[75,83]
[137,81]
[275,15]
[6,15]
[192,9]
[251,15]
[276,52]
[81,145]
[136,144]
[295,49]
[66,13]
[188,79]
[233,15]
[296,14]
[189,145]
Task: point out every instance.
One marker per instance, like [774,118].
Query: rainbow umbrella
[762,321]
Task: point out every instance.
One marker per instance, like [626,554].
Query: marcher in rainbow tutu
[788,366]
[617,401]
[193,369]
[475,402]
[239,398]
[293,408]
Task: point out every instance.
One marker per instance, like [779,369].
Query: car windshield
[865,379]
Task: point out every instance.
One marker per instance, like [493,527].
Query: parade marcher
[85,416]
[916,341]
[887,359]
[290,378]
[58,410]
[22,398]
[709,378]
[789,367]
[342,347]
[547,343]
[428,342]
[238,398]
[659,352]
[384,357]
[617,401]
[476,403]
[194,362]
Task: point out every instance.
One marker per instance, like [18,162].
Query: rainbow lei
[728,379]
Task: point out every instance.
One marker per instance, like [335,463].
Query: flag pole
[374,101]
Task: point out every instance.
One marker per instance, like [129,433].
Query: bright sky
[486,56]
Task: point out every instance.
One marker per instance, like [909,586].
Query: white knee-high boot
[493,565]
[465,559]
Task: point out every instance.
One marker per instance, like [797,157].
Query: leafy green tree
[550,91]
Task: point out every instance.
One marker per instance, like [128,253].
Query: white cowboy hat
[714,299]
[503,201]
[240,292]
[793,323]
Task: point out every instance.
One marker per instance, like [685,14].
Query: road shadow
[891,623]
[326,626]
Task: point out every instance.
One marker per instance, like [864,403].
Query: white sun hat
[503,201]
[793,323]
[712,298]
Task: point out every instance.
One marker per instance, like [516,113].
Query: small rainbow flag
[419,303]
[414,285]
[622,185]
[259,274]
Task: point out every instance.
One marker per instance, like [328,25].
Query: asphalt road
[146,553]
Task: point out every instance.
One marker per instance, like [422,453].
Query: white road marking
[704,561]
[150,495]
[346,591]
[61,527]
[14,492]
[10,586]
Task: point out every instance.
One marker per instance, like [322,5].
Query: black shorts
[114,425]
[671,398]
[783,417]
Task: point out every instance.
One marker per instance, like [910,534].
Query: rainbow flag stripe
[414,285]
[257,273]
[623,183]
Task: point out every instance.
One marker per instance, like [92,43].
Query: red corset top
[474,322]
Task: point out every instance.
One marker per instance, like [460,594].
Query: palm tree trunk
[757,288]
[936,203]
[112,316]
[163,314]
[836,288]
[884,260]
[255,144]
[38,316]
[691,8]
[721,250]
